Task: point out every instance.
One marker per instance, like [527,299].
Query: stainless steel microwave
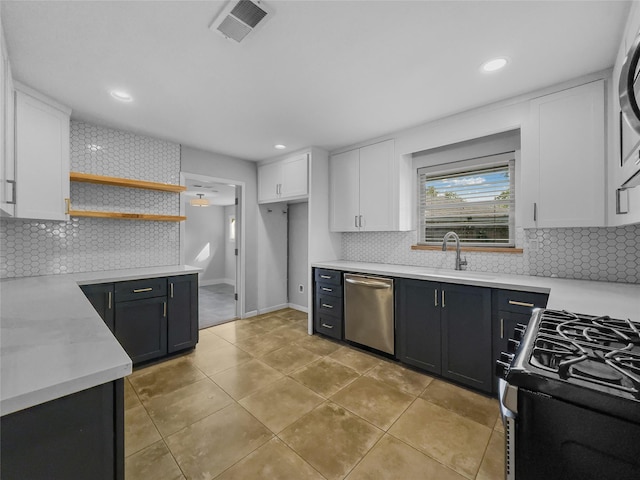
[629,90]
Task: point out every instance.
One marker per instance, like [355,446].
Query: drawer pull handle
[327,326]
[325,276]
[520,304]
[326,305]
[171,285]
[502,328]
[140,290]
[325,289]
[109,300]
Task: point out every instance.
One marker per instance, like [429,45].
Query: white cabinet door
[344,194]
[268,182]
[565,172]
[7,118]
[42,159]
[295,177]
[377,187]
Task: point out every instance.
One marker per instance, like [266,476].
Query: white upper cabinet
[364,193]
[41,157]
[7,170]
[284,180]
[563,167]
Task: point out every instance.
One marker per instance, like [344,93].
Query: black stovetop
[591,361]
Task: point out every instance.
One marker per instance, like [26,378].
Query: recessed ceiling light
[279,146]
[121,95]
[494,64]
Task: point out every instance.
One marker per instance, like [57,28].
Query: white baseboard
[215,281]
[300,308]
[252,313]
[272,309]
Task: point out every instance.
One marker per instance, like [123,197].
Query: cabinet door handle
[535,212]
[360,221]
[325,289]
[171,289]
[325,276]
[356,221]
[141,290]
[327,326]
[164,309]
[443,298]
[520,304]
[435,297]
[67,205]
[326,305]
[502,328]
[13,191]
[109,300]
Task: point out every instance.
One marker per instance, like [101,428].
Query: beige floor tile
[139,430]
[237,330]
[293,314]
[272,461]
[246,378]
[492,466]
[218,359]
[289,333]
[154,462]
[407,380]
[262,344]
[361,362]
[209,341]
[499,426]
[210,446]
[131,400]
[392,459]
[186,405]
[326,376]
[331,439]
[270,321]
[289,358]
[165,377]
[318,344]
[376,402]
[281,403]
[451,439]
[472,405]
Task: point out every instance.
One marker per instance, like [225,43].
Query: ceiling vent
[239,18]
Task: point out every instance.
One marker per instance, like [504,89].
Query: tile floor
[261,399]
[216,304]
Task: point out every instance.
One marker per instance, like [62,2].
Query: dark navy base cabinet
[101,297]
[182,328]
[77,436]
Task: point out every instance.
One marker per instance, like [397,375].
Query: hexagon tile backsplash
[605,254]
[31,247]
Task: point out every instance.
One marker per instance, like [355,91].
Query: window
[232,228]
[473,198]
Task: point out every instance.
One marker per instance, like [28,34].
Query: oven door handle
[508,396]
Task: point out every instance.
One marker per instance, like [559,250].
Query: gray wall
[272,255]
[237,170]
[205,243]
[298,253]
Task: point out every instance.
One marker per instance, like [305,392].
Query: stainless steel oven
[570,398]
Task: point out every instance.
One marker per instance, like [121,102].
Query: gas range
[570,397]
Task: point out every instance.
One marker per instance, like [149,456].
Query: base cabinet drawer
[328,325]
[328,305]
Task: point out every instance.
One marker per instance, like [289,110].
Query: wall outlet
[301,288]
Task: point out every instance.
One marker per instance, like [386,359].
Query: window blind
[476,203]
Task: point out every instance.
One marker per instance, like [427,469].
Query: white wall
[205,242]
[230,245]
[298,240]
[272,254]
[238,170]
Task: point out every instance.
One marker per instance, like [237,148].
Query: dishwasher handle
[368,283]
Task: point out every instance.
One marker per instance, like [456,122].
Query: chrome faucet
[459,262]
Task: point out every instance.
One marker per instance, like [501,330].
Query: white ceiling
[217,193]
[323,73]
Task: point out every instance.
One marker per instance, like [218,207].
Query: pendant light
[199,202]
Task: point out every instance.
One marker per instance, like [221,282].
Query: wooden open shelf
[125,182]
[127,216]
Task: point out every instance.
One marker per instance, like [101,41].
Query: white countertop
[53,342]
[618,300]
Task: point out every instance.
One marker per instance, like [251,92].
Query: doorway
[211,239]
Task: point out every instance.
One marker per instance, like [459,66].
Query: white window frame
[470,165]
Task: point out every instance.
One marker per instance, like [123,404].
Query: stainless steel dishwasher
[368,312]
